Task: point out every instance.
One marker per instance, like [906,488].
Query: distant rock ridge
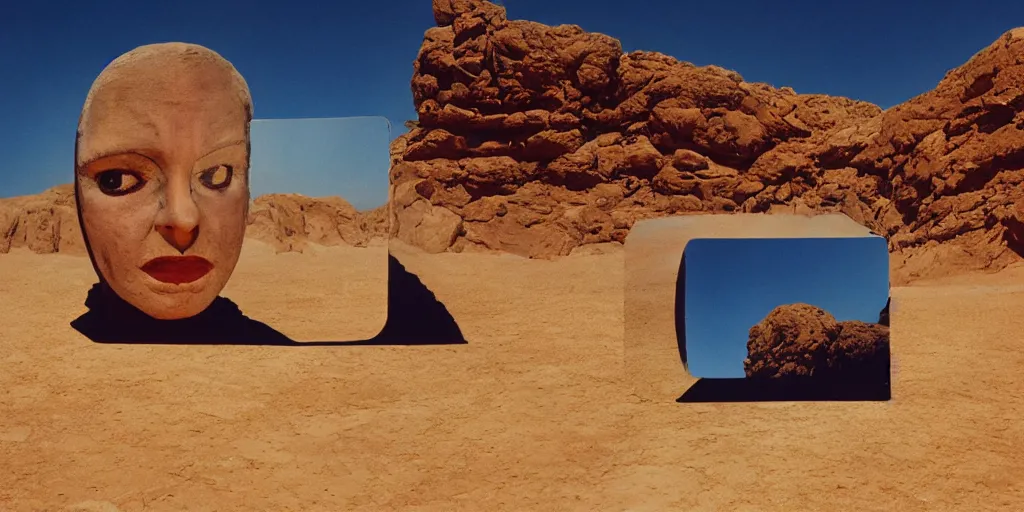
[48,222]
[291,221]
[535,140]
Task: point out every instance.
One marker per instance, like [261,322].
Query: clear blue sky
[338,59]
[346,157]
[732,284]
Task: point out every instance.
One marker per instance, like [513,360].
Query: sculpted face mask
[161,175]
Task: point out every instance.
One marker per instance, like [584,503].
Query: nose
[178,220]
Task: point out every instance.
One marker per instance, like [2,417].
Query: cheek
[117,227]
[224,218]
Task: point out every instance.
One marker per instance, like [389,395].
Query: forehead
[161,107]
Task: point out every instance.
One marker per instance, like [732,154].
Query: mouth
[177,269]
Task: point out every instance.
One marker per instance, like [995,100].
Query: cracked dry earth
[532,414]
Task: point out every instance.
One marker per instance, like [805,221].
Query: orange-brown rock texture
[800,340]
[43,223]
[535,140]
[290,221]
[48,222]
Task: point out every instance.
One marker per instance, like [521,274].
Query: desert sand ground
[534,413]
[316,294]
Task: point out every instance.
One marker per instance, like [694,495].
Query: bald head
[138,89]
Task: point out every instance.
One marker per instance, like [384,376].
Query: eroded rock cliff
[536,140]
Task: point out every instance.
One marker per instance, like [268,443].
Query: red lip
[177,269]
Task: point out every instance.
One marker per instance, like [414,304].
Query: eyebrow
[225,145]
[119,152]
[113,153]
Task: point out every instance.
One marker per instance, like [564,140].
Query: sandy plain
[533,413]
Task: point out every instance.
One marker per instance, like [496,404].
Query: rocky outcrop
[535,140]
[48,222]
[290,222]
[43,223]
[800,340]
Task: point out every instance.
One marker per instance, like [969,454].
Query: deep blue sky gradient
[732,284]
[307,59]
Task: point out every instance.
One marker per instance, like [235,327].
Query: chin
[177,308]
[174,313]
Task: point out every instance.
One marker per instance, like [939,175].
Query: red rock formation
[536,140]
[799,340]
[43,223]
[48,222]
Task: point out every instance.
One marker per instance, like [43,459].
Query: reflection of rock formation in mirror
[291,221]
[801,341]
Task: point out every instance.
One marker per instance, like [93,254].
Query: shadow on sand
[415,317]
[788,390]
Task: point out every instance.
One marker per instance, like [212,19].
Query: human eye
[118,182]
[216,177]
